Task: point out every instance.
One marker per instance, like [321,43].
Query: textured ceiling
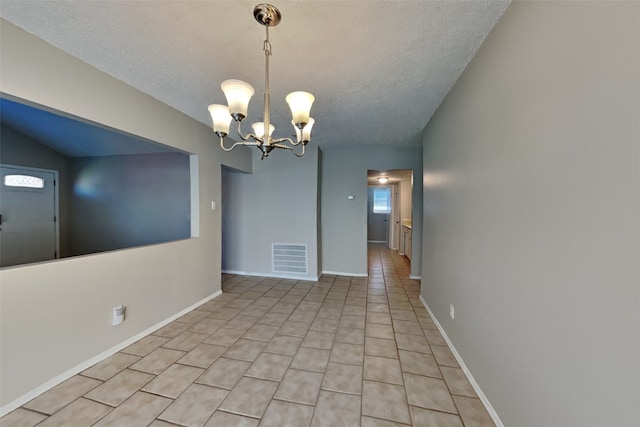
[378,69]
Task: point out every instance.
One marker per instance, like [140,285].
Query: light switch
[351,197]
[213,205]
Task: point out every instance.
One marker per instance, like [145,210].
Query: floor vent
[289,258]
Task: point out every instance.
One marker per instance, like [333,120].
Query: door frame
[56,198]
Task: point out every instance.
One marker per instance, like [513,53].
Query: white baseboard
[415,277]
[342,273]
[277,276]
[483,398]
[376,241]
[98,358]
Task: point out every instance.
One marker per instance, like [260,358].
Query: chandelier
[239,93]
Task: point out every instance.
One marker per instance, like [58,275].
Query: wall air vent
[290,258]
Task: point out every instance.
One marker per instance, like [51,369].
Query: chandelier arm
[234,145]
[289,140]
[246,137]
[286,147]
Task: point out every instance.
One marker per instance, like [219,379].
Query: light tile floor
[345,351]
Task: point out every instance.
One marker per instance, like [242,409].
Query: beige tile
[255,311]
[207,326]
[343,378]
[352,310]
[287,414]
[294,329]
[301,315]
[317,339]
[193,316]
[311,359]
[273,319]
[21,418]
[62,394]
[410,327]
[117,389]
[224,336]
[225,313]
[329,313]
[412,343]
[269,366]
[375,422]
[249,397]
[186,341]
[457,382]
[224,373]
[246,350]
[283,344]
[80,413]
[428,393]
[173,381]
[380,347]
[242,322]
[403,315]
[224,419]
[324,325]
[336,410]
[260,332]
[434,337]
[419,363]
[160,423]
[350,335]
[444,357]
[351,354]
[375,330]
[158,360]
[139,410]
[284,308]
[194,407]
[427,323]
[172,330]
[425,417]
[203,355]
[145,346]
[382,369]
[110,366]
[348,321]
[300,387]
[386,401]
[240,303]
[473,412]
[377,308]
[291,299]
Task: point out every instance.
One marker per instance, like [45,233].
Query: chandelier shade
[221,119]
[300,105]
[239,93]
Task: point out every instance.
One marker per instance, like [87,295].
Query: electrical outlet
[451,311]
[118,315]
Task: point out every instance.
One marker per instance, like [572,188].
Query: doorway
[28,215]
[389,207]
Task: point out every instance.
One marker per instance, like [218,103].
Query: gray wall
[344,222]
[18,149]
[126,201]
[55,316]
[531,214]
[276,203]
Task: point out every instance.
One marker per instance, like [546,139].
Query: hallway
[343,351]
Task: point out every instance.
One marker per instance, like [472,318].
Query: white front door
[28,215]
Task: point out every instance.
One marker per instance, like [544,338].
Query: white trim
[277,276]
[98,358]
[342,273]
[194,185]
[411,276]
[377,241]
[485,401]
